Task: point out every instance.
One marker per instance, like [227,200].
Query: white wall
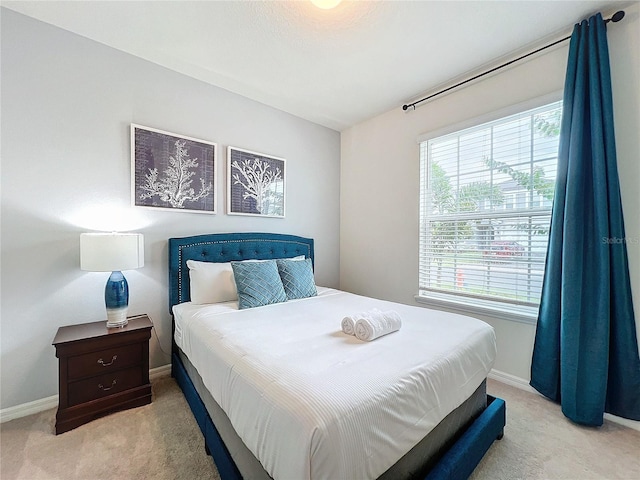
[67,104]
[380,177]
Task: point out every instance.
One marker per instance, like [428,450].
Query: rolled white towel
[349,324]
[376,324]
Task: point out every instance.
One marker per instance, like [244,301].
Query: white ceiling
[334,67]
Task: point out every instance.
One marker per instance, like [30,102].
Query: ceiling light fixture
[326,4]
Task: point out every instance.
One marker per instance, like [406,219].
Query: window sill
[515,313]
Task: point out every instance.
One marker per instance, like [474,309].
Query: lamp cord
[155,332]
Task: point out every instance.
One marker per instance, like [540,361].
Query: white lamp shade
[111,252]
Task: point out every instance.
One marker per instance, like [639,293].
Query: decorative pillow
[258,283]
[297,278]
[211,282]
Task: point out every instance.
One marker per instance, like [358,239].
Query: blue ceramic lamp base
[116,297]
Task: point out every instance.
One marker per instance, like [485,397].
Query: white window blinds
[485,207]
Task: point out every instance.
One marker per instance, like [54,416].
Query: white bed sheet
[311,402]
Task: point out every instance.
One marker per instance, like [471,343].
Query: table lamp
[113,252]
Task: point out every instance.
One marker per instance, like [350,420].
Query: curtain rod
[619,15]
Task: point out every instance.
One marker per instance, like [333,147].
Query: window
[485,207]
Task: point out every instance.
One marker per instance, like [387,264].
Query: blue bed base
[465,454]
[213,443]
[457,463]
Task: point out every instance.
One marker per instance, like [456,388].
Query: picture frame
[172,172]
[256,184]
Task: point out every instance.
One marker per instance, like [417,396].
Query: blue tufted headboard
[227,247]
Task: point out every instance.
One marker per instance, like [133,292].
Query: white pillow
[212,282]
[298,258]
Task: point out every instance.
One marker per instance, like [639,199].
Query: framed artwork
[172,172]
[255,183]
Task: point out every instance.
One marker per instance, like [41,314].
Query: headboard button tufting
[226,248]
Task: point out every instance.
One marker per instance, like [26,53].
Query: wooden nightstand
[101,370]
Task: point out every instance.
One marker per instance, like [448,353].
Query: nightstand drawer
[104,385]
[104,361]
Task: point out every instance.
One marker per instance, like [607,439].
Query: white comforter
[311,402]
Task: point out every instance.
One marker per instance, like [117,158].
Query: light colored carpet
[541,443]
[157,441]
[162,441]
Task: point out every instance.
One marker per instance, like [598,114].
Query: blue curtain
[586,351]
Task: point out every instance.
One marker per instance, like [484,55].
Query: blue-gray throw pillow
[258,283]
[297,278]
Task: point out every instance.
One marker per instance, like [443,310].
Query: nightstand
[101,370]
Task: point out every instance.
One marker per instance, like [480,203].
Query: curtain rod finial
[404,107]
[619,15]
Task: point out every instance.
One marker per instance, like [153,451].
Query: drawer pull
[101,362]
[106,389]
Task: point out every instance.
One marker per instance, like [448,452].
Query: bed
[300,418]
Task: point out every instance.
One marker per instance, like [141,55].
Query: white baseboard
[511,380]
[159,372]
[523,384]
[29,408]
[43,404]
[622,421]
